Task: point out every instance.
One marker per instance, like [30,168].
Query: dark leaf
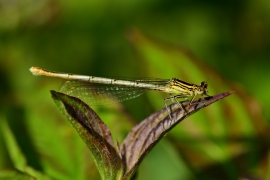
[94,133]
[145,135]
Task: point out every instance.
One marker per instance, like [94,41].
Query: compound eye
[204,84]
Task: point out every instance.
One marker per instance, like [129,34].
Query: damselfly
[100,91]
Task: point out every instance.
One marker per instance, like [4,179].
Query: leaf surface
[145,135]
[93,132]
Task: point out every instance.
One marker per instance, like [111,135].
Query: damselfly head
[203,88]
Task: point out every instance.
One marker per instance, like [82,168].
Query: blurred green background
[133,39]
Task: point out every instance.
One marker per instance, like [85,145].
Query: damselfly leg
[174,100]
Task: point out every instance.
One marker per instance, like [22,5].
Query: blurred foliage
[107,38]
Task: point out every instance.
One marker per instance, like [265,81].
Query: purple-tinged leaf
[145,135]
[138,143]
[93,132]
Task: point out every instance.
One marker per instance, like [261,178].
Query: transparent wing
[100,94]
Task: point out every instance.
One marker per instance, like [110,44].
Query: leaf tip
[53,93]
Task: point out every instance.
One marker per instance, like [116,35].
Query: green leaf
[14,175]
[23,171]
[94,133]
